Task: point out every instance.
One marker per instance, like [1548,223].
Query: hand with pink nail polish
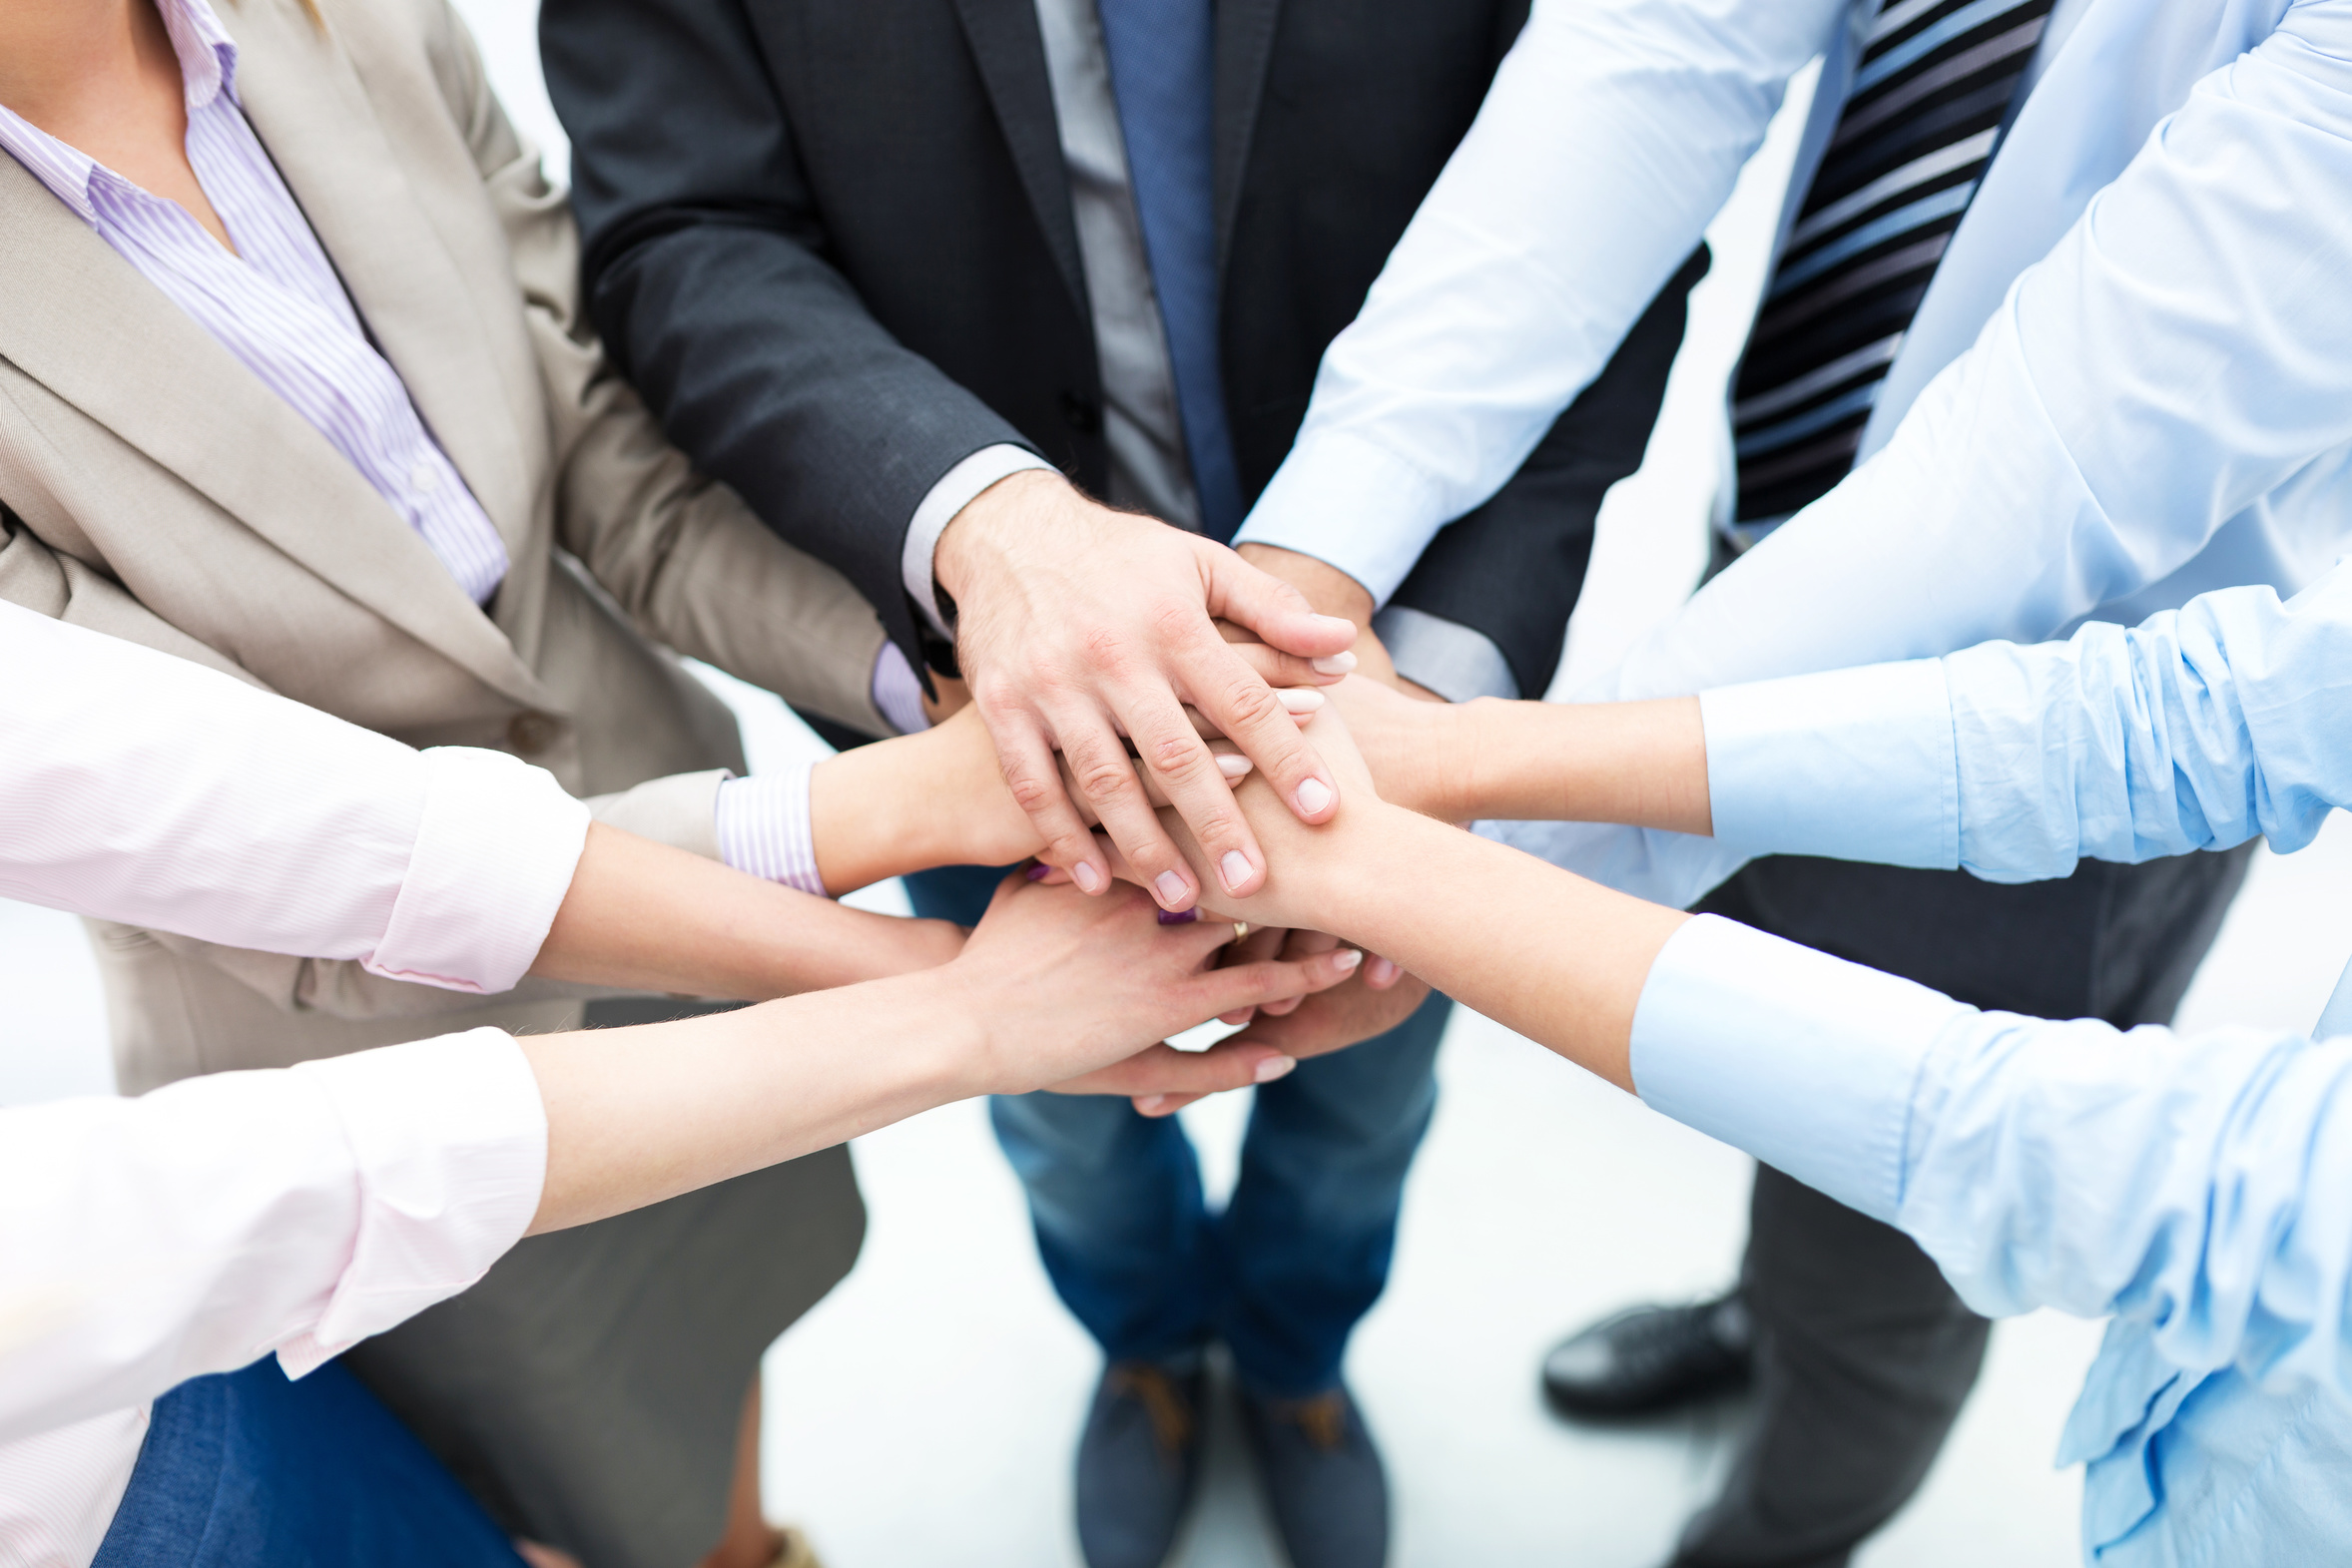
[1076,993]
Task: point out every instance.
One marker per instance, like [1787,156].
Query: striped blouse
[275,303]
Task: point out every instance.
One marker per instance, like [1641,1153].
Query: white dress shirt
[144,1242]
[2200,1191]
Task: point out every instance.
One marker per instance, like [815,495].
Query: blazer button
[530,733]
[1081,416]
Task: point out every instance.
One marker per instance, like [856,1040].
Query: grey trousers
[1864,1354]
[589,1389]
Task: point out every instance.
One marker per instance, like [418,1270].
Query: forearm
[911,803]
[635,1116]
[1640,763]
[644,915]
[1543,952]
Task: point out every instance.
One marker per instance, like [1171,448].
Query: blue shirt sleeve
[2201,1185]
[2196,729]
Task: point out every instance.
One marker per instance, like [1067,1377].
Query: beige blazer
[157,490]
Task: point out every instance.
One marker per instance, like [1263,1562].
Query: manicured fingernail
[1171,886]
[1382,970]
[1234,766]
[1334,664]
[1299,698]
[1039,873]
[1274,1067]
[1089,879]
[1178,916]
[1235,867]
[1346,960]
[1314,795]
[1150,1104]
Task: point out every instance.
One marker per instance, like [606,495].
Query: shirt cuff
[495,852]
[1807,1062]
[1857,765]
[764,827]
[1352,505]
[1445,656]
[897,693]
[449,1149]
[957,488]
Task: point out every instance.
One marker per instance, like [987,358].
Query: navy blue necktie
[1163,71]
[1933,84]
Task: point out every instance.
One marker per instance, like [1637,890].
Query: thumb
[1271,608]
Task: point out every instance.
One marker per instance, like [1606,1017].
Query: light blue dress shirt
[2198,1191]
[2129,383]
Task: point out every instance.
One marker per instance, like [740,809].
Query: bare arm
[1640,763]
[1547,954]
[1053,989]
[644,915]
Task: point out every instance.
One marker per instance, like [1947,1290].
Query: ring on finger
[1241,928]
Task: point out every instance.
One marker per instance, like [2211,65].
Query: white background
[924,1412]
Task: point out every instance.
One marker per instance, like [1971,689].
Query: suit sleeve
[682,555]
[706,272]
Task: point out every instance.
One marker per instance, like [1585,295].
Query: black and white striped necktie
[1930,94]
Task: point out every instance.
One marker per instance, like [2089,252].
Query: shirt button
[424,477]
[530,733]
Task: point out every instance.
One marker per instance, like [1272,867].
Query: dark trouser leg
[1864,1354]
[1312,1223]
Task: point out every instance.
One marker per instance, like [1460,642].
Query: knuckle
[1177,756]
[1103,648]
[1103,778]
[1251,704]
[1176,621]
[1029,792]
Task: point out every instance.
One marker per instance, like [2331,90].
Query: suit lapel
[1010,52]
[82,323]
[1244,42]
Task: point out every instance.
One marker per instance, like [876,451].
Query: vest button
[1081,416]
[530,733]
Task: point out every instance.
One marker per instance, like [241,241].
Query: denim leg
[1307,1239]
[1121,1225]
[1115,1196]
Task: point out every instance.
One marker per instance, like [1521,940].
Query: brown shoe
[794,1551]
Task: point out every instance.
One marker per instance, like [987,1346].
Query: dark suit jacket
[832,243]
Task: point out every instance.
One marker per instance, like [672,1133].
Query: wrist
[959,560]
[870,817]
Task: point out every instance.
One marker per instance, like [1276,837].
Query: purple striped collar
[208,65]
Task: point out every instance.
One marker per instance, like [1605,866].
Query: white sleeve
[2180,353]
[1613,132]
[2183,351]
[145,1241]
[139,787]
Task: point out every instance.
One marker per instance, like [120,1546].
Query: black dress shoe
[1323,1478]
[1138,1461]
[1651,1359]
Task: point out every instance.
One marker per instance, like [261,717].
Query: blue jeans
[248,1470]
[1296,1259]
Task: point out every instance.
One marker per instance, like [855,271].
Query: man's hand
[1077,626]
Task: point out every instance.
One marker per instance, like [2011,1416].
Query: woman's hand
[1063,987]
